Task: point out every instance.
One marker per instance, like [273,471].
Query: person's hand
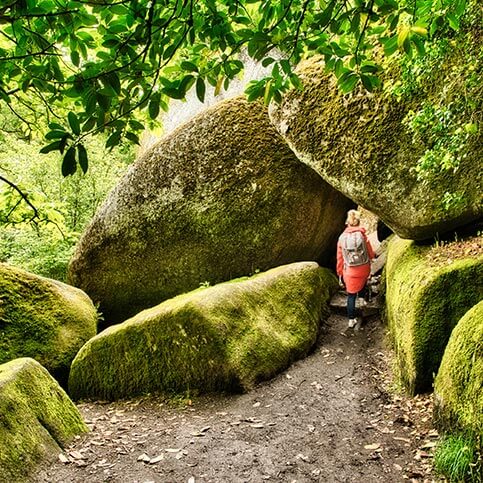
[341,282]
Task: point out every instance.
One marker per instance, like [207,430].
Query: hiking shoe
[352,323]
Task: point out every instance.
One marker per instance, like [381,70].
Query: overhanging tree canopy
[97,65]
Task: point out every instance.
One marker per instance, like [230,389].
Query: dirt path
[328,418]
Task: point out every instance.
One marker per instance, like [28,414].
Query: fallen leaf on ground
[372,446]
[144,457]
[63,458]
[428,445]
[157,459]
[76,455]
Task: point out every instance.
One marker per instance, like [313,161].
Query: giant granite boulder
[458,387]
[43,319]
[220,197]
[369,146]
[37,418]
[221,338]
[428,290]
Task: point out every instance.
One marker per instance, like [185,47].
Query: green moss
[361,143]
[43,319]
[458,386]
[424,301]
[220,338]
[36,417]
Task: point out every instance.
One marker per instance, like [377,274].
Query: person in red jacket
[354,255]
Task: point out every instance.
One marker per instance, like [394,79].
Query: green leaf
[89,124]
[267,61]
[348,81]
[74,123]
[132,137]
[286,67]
[390,45]
[325,17]
[419,44]
[138,126]
[55,146]
[83,158]
[186,84]
[453,21]
[56,134]
[200,89]
[189,66]
[75,57]
[112,80]
[367,82]
[69,164]
[153,108]
[173,92]
[54,126]
[113,139]
[369,68]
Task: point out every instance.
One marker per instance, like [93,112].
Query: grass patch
[457,458]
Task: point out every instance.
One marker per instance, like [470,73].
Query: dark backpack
[354,249]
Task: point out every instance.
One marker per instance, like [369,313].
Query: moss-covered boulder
[220,338]
[427,293]
[43,319]
[219,198]
[393,151]
[36,418]
[458,387]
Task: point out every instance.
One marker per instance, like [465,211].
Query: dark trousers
[351,302]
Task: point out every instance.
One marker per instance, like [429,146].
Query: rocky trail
[329,418]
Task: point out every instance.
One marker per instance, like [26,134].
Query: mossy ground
[222,338]
[43,319]
[36,416]
[425,298]
[458,386]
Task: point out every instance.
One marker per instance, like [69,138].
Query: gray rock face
[220,197]
[44,319]
[360,145]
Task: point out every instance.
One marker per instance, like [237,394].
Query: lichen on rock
[458,387]
[220,197]
[37,418]
[425,298]
[44,319]
[222,338]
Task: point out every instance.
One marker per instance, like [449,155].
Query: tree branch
[364,27]
[23,196]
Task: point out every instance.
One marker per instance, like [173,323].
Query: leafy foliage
[39,235]
[448,122]
[115,63]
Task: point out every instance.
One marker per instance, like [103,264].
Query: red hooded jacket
[355,278]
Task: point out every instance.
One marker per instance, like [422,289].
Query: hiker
[354,255]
